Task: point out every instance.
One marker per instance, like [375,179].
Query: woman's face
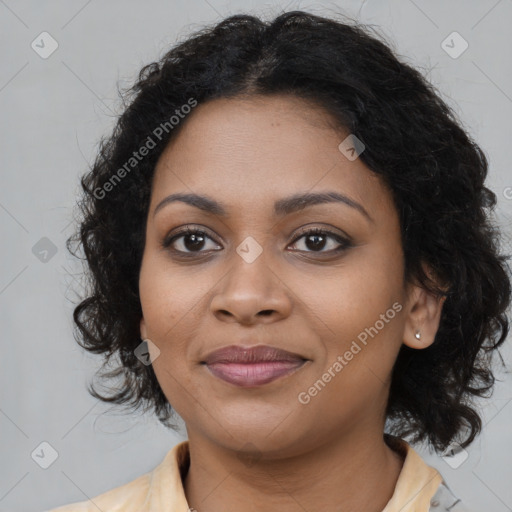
[255,277]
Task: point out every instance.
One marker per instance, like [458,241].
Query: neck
[356,472]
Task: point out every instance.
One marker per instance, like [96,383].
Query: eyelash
[345,243]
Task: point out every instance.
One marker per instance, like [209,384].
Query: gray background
[53,112]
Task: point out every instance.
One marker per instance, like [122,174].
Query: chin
[260,432]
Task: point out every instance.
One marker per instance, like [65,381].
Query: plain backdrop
[53,112]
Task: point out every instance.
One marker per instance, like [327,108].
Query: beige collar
[417,482]
[416,485]
[162,489]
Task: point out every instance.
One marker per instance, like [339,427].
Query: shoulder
[420,487]
[159,489]
[445,500]
[129,497]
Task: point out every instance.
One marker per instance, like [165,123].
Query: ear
[423,315]
[143,330]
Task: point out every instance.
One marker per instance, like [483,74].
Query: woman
[297,227]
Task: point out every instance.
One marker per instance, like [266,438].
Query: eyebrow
[282,207]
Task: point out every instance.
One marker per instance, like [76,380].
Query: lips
[250,367]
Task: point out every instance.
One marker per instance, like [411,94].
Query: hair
[413,141]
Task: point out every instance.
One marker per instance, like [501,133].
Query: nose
[250,293]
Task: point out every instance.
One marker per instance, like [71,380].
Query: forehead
[259,149]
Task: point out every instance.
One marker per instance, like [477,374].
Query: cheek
[361,291]
[362,306]
[173,304]
[170,298]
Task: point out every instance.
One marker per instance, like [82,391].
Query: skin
[260,448]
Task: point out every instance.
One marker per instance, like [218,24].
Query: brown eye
[316,240]
[188,240]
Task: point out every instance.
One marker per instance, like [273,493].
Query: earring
[418,335]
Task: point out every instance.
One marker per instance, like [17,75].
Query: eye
[192,240]
[188,240]
[317,239]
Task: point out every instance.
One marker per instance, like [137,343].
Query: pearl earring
[418,335]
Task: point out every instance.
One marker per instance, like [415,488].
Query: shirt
[419,488]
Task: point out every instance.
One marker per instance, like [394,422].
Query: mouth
[252,367]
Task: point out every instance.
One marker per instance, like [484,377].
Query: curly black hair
[413,141]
